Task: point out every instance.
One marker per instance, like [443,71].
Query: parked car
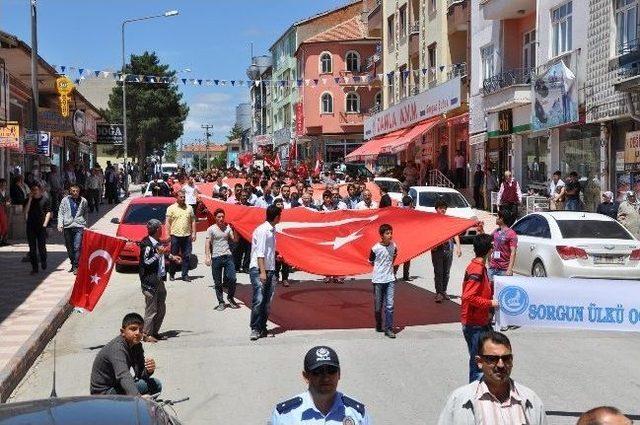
[425,197]
[393,186]
[575,244]
[96,410]
[133,226]
[161,187]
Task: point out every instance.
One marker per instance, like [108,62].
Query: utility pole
[34,66]
[206,128]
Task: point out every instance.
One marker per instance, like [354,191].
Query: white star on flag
[95,279]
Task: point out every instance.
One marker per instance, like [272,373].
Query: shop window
[391,34]
[378,100]
[580,152]
[535,164]
[488,68]
[403,22]
[529,51]
[327,103]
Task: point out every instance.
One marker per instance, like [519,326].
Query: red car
[133,226]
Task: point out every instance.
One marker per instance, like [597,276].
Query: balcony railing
[451,3]
[457,70]
[506,79]
[414,29]
[374,59]
[631,46]
[374,109]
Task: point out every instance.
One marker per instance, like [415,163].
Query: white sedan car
[425,197]
[575,244]
[393,186]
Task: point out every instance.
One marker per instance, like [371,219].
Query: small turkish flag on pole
[94,268]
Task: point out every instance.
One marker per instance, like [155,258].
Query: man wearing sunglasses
[322,403]
[495,398]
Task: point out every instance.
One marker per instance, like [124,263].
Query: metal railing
[414,28]
[436,178]
[630,46]
[628,71]
[506,79]
[374,109]
[457,70]
[374,59]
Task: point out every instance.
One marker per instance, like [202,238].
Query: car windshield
[142,213]
[390,185]
[453,200]
[592,229]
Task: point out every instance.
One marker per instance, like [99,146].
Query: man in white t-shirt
[191,193]
[460,164]
[367,202]
[382,256]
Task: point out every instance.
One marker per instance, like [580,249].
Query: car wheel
[538,269]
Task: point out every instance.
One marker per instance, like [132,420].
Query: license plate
[608,259]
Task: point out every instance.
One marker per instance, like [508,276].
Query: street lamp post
[124,86]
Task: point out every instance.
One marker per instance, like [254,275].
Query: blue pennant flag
[316,81]
[424,71]
[184,81]
[96,73]
[199,82]
[216,82]
[300,83]
[405,74]
[441,68]
[80,70]
[233,82]
[62,68]
[357,79]
[390,76]
[77,81]
[337,80]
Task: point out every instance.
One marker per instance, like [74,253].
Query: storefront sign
[505,121]
[10,136]
[110,134]
[568,303]
[430,103]
[79,123]
[386,160]
[555,98]
[299,119]
[49,120]
[90,130]
[632,151]
[282,136]
[64,87]
[37,145]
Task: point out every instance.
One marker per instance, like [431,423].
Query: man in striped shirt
[495,399]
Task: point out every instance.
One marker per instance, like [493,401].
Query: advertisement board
[555,98]
[109,134]
[10,136]
[632,151]
[435,101]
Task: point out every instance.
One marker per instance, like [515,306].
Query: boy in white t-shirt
[382,256]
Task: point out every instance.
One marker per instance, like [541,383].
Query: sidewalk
[32,308]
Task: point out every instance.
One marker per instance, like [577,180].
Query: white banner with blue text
[605,305]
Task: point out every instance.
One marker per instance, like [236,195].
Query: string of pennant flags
[82,74]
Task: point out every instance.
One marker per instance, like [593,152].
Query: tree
[155,113]
[171,152]
[235,133]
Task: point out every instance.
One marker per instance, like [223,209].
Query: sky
[211,38]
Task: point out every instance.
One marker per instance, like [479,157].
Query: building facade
[336,90]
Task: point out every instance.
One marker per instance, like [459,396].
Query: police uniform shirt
[302,410]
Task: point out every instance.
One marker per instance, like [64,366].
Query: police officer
[322,403]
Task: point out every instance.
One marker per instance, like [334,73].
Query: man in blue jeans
[262,272]
[72,220]
[217,254]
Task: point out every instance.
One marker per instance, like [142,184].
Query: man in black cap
[322,403]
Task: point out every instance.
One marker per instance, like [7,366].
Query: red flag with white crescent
[338,243]
[97,259]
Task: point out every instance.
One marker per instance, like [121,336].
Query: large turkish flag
[94,268]
[338,243]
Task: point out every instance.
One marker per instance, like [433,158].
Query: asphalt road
[232,380]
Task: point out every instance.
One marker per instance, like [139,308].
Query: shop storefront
[536,168]
[337,150]
[579,151]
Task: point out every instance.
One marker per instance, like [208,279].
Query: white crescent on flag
[95,278]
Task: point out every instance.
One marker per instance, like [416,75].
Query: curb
[25,357]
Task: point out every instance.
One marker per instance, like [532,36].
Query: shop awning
[401,143]
[373,147]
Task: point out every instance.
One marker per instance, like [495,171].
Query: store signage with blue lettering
[568,303]
[50,120]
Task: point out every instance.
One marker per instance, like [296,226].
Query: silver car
[575,244]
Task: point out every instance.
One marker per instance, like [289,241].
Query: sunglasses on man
[491,359]
[324,370]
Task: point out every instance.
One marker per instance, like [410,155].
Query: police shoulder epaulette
[289,405]
[354,404]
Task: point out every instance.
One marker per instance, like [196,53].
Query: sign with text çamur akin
[110,134]
[435,101]
[591,304]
